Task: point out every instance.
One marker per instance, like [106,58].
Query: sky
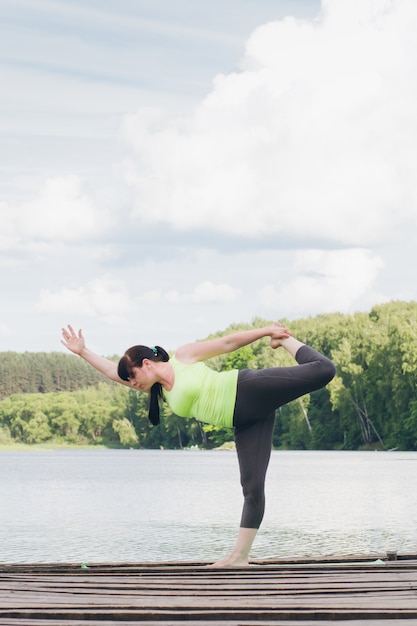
[170,168]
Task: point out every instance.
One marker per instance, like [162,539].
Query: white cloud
[4,330]
[111,302]
[325,282]
[152,296]
[105,298]
[8,239]
[206,292]
[310,138]
[61,211]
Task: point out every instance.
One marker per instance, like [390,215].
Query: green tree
[372,401]
[126,432]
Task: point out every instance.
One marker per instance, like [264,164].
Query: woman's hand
[73,341]
[279,333]
[76,344]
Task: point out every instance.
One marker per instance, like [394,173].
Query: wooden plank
[274,594]
[361,622]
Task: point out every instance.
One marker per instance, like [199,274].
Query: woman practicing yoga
[245,399]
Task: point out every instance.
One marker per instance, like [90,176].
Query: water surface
[152,505]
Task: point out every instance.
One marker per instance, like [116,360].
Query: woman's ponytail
[156,389]
[154,412]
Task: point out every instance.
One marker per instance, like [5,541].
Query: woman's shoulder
[180,362]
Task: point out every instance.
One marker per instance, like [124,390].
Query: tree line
[370,404]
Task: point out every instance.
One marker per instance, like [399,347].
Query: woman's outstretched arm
[202,350]
[75,342]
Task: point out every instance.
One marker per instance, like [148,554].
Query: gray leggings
[259,394]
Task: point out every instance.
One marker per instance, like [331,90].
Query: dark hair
[133,357]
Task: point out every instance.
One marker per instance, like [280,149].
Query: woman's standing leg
[253,446]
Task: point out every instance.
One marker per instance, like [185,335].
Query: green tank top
[203,393]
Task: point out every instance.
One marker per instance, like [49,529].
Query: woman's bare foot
[239,556]
[281,334]
[230,562]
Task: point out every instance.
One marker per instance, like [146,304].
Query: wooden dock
[359,591]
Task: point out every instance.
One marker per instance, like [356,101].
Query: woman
[245,399]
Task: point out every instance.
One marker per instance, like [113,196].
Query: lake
[158,505]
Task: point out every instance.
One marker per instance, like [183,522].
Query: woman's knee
[253,511]
[328,371]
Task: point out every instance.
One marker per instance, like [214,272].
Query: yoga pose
[245,399]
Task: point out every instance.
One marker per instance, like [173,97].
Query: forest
[370,404]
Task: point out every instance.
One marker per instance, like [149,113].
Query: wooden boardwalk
[356,591]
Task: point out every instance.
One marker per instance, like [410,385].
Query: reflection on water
[138,506]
